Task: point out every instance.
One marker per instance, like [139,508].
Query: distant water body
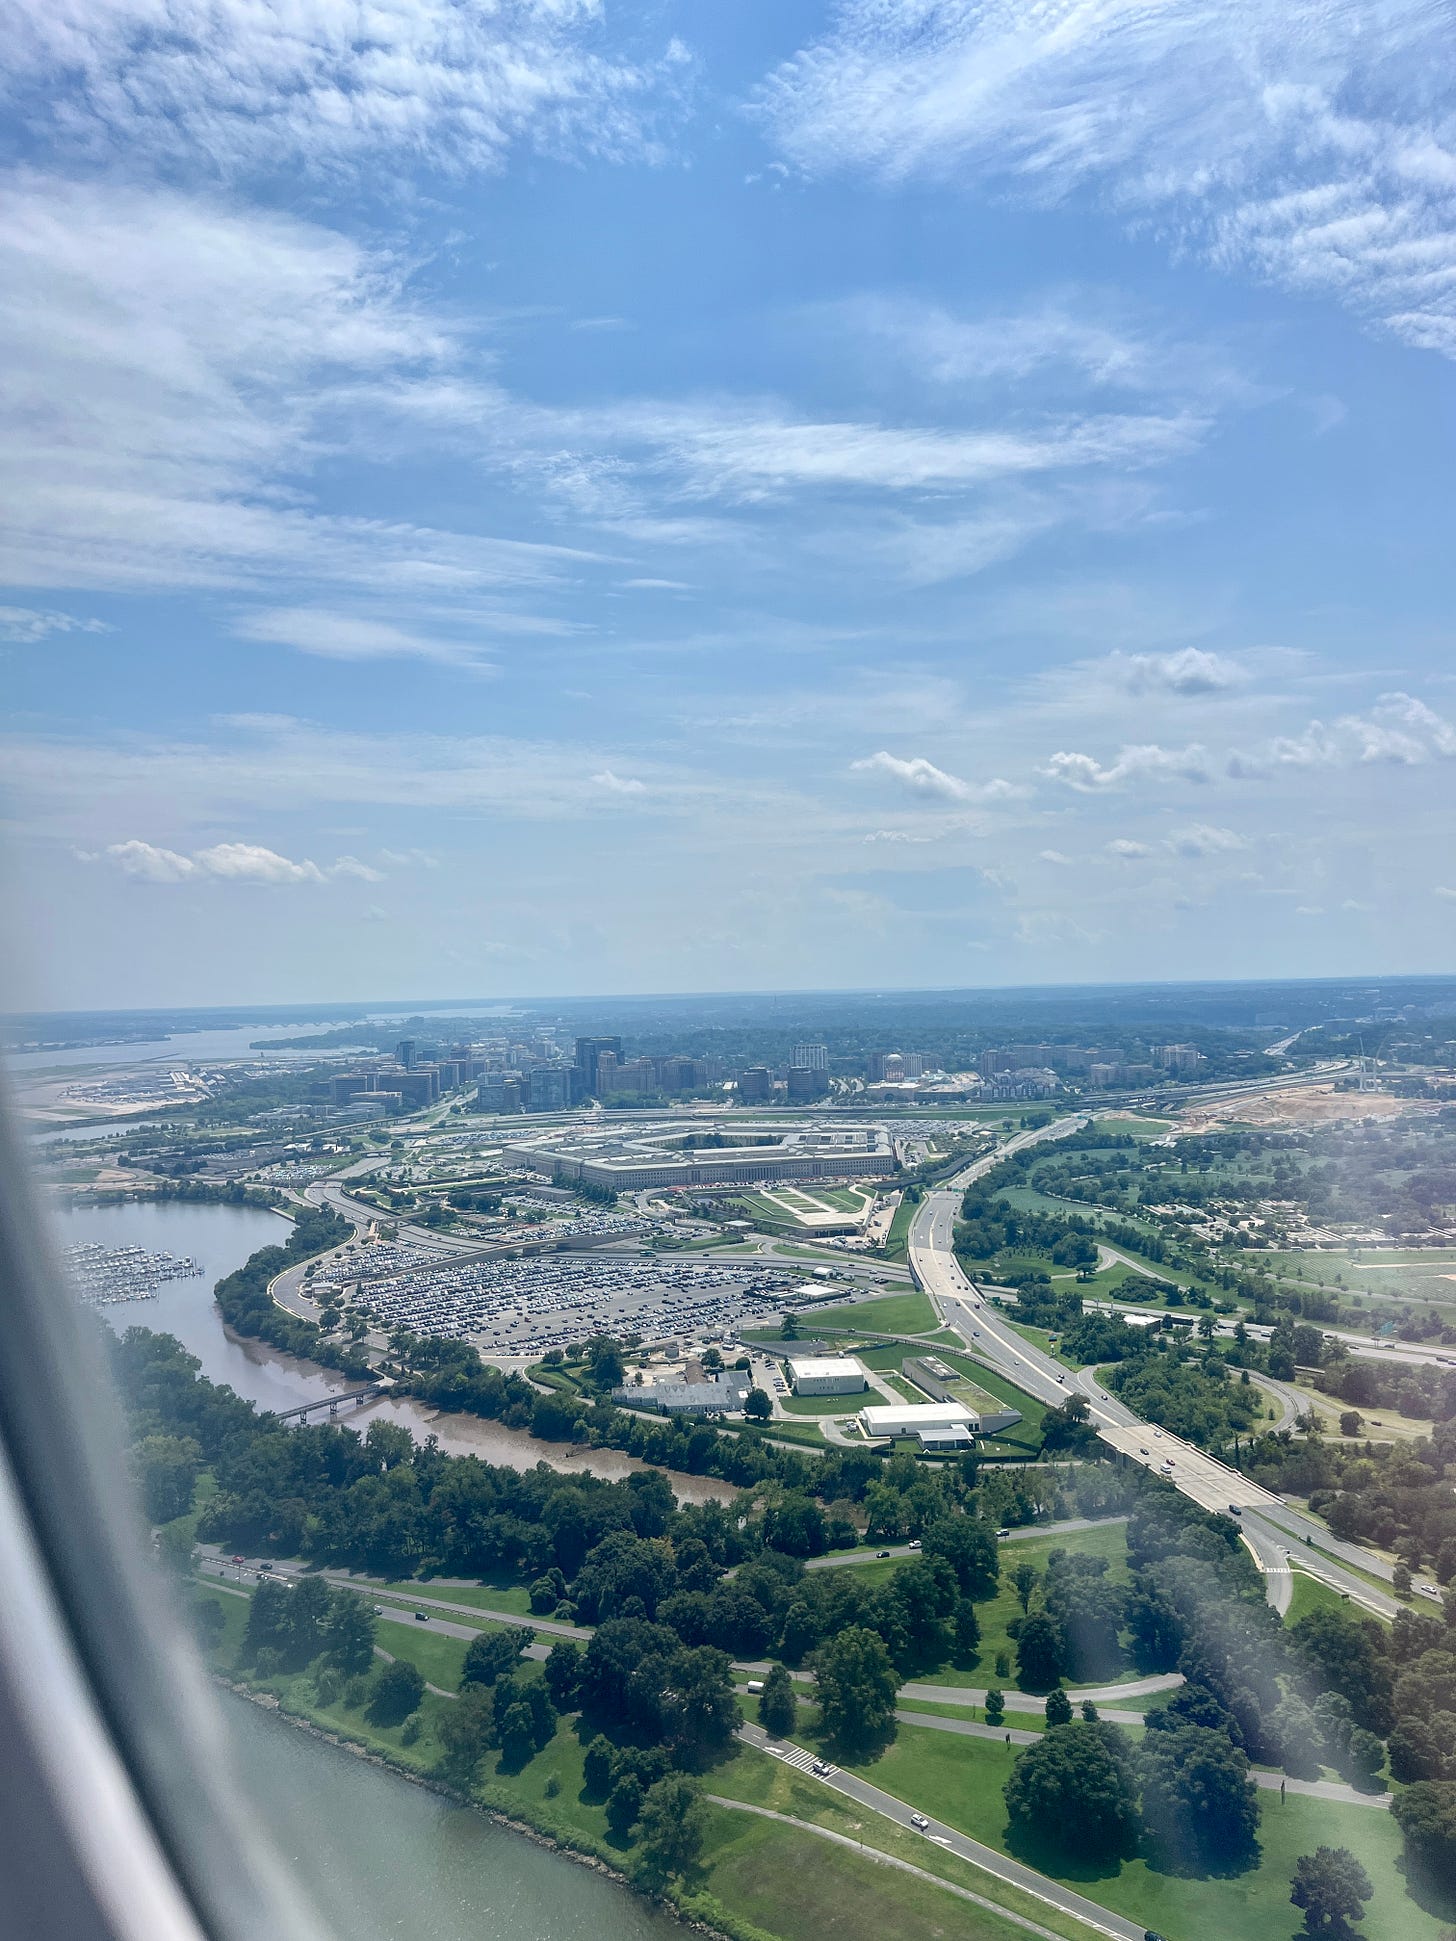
[220,1238]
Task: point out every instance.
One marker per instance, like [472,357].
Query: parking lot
[528,1306]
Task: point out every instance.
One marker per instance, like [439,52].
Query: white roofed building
[829,1375]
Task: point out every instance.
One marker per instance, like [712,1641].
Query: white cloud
[347,636]
[1127,850]
[257,86]
[619,784]
[27,624]
[174,369]
[1053,856]
[1399,730]
[229,862]
[1143,762]
[1191,670]
[896,836]
[1443,891]
[1205,839]
[1309,143]
[922,777]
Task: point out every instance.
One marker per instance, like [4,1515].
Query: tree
[1400,1580]
[310,1604]
[597,1766]
[1089,1711]
[563,1673]
[1365,1755]
[672,1826]
[995,1706]
[1332,1888]
[1025,1578]
[624,1804]
[967,1631]
[1058,1707]
[857,1686]
[1041,1656]
[969,1547]
[778,1708]
[267,1626]
[1426,1816]
[1074,1789]
[467,1732]
[349,1634]
[757,1406]
[166,1471]
[525,1719]
[1198,1800]
[397,1692]
[494,1653]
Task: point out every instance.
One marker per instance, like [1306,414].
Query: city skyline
[688,504]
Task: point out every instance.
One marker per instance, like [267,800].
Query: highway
[1271,1528]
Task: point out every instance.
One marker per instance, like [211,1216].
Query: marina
[102,1274]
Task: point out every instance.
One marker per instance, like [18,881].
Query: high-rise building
[994,1059]
[755,1085]
[588,1055]
[810,1058]
[499,1092]
[807,1082]
[548,1088]
[405,1053]
[914,1064]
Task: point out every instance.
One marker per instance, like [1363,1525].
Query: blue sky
[557,497]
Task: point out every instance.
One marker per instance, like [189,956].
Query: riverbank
[757,1879]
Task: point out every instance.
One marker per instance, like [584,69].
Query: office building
[405,1053]
[829,1375]
[661,1154]
[755,1086]
[913,1063]
[1177,1058]
[810,1058]
[499,1092]
[806,1084]
[548,1088]
[588,1055]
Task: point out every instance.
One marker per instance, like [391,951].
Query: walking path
[1050,1892]
[890,1860]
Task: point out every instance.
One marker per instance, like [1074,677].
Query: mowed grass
[1312,1595]
[960,1780]
[764,1781]
[795,1884]
[512,1598]
[909,1313]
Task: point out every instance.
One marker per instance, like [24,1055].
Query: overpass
[1270,1525]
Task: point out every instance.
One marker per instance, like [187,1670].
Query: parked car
[919,1822]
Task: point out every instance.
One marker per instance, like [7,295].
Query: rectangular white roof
[824,1366]
[908,1416]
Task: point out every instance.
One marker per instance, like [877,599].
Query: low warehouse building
[829,1375]
[919,1419]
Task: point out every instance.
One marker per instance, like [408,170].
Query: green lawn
[783,1881]
[896,1240]
[439,1658]
[765,1781]
[826,1404]
[908,1313]
[960,1780]
[1311,1595]
[513,1598]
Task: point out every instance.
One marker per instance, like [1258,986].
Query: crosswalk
[796,1757]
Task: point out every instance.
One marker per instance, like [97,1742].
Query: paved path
[1267,1782]
[1167,1681]
[1021,1534]
[889,1860]
[1050,1892]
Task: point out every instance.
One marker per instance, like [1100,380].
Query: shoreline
[539,1836]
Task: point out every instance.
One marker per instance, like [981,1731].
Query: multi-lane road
[1273,1531]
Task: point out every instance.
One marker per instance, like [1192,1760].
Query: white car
[919,1822]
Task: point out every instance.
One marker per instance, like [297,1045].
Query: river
[220,1238]
[382,1858]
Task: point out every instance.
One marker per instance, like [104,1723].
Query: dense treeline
[248,1308]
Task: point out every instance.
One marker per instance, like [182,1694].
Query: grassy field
[960,1781]
[1311,1595]
[908,1313]
[514,1598]
[825,1404]
[897,1238]
[757,1778]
